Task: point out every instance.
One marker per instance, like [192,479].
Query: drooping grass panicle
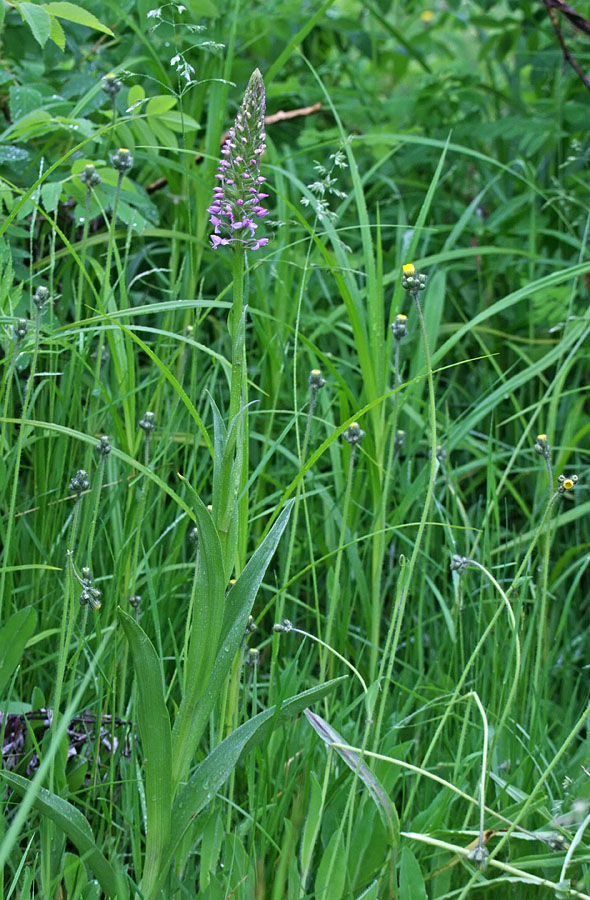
[238,193]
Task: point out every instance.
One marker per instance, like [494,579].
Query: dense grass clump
[294,521]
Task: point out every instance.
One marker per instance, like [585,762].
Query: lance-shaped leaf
[190,724]
[353,760]
[211,774]
[76,827]
[154,731]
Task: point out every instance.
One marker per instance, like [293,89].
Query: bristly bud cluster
[148,423]
[283,627]
[237,196]
[90,595]
[80,482]
[353,434]
[111,85]
[316,380]
[399,328]
[542,446]
[399,439]
[459,563]
[566,483]
[104,446]
[90,177]
[412,281]
[479,856]
[122,160]
[20,329]
[40,297]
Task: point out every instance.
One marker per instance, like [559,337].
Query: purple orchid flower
[237,195]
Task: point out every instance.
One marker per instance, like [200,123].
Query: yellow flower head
[568,484]
[409,269]
[541,437]
[427,16]
[401,318]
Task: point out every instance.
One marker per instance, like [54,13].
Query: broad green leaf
[73,13]
[134,98]
[38,20]
[13,638]
[371,893]
[76,827]
[57,34]
[411,881]
[179,122]
[50,194]
[216,768]
[22,101]
[330,736]
[154,731]
[238,603]
[331,876]
[160,104]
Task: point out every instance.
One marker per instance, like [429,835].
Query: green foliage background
[452,136]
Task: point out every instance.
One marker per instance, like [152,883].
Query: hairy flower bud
[237,196]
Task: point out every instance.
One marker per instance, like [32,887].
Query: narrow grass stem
[515,680]
[339,656]
[533,543]
[401,599]
[10,518]
[333,601]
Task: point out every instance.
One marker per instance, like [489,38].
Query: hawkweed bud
[441,454]
[80,482]
[135,600]
[542,446]
[122,160]
[316,380]
[283,627]
[412,281]
[40,297]
[399,439]
[236,197]
[251,627]
[479,856]
[566,483]
[91,596]
[147,424]
[399,328]
[354,434]
[90,177]
[20,329]
[86,575]
[193,536]
[459,563]
[111,85]
[253,657]
[103,447]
